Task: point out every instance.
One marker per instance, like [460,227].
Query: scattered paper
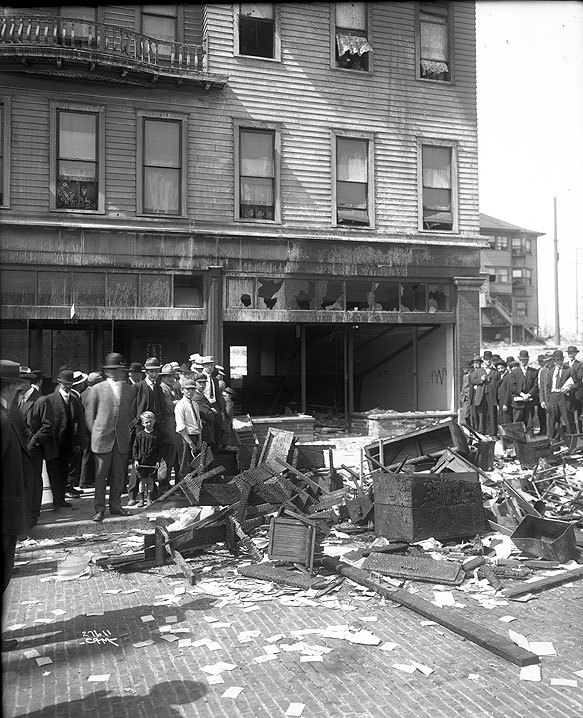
[213,645]
[113,591]
[210,619]
[405,667]
[423,669]
[184,642]
[563,682]
[147,619]
[519,639]
[263,659]
[179,591]
[365,638]
[170,637]
[171,619]
[271,649]
[232,692]
[388,646]
[216,679]
[543,648]
[368,619]
[311,659]
[273,639]
[45,660]
[59,612]
[507,619]
[530,673]
[443,598]
[251,608]
[103,678]
[250,634]
[429,623]
[578,673]
[221,625]
[31,653]
[295,709]
[143,644]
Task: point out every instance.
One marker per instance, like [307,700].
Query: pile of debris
[447,506]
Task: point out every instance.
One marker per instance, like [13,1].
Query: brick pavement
[165,679]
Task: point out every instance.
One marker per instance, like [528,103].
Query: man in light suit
[523,390]
[108,415]
[557,381]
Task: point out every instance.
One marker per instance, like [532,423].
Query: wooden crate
[292,540]
[413,507]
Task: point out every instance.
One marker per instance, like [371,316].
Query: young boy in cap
[146,455]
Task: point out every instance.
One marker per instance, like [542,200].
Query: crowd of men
[92,427]
[497,391]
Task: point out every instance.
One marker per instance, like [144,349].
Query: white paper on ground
[147,619]
[388,646]
[271,649]
[519,639]
[295,709]
[214,680]
[184,642]
[232,692]
[579,673]
[103,678]
[530,673]
[32,653]
[273,639]
[45,660]
[305,658]
[263,659]
[143,644]
[542,648]
[507,619]
[443,598]
[564,682]
[404,667]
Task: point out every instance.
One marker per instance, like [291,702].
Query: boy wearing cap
[188,425]
[523,390]
[146,455]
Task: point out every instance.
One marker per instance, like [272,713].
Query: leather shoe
[120,512]
[71,495]
[62,505]
[99,516]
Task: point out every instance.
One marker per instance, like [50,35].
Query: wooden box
[528,452]
[413,507]
[292,540]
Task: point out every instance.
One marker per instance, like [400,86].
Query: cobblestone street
[112,644]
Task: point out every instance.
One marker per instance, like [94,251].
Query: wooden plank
[499,644]
[299,474]
[544,583]
[278,444]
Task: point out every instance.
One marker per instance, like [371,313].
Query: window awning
[354,44]
[434,67]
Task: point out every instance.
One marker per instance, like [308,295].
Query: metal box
[545,538]
[413,507]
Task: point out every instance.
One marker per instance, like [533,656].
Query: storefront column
[213,326]
[303,378]
[467,323]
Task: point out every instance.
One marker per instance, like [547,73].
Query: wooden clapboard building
[292,187]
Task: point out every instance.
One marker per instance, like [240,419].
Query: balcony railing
[32,38]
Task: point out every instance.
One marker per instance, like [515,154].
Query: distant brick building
[509,299]
[291,187]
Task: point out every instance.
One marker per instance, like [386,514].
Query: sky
[530,135]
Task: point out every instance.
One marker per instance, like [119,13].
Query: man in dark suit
[14,455]
[544,363]
[69,435]
[503,393]
[558,379]
[483,383]
[523,390]
[214,395]
[87,477]
[37,413]
[575,394]
[208,414]
[148,396]
[108,415]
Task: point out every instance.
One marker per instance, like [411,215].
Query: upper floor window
[4,153]
[521,309]
[434,41]
[160,22]
[257,30]
[522,277]
[521,246]
[258,174]
[352,45]
[161,161]
[502,243]
[352,181]
[437,191]
[77,166]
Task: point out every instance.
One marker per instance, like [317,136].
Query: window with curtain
[161,23]
[256,174]
[437,188]
[352,45]
[257,29]
[77,160]
[434,30]
[352,181]
[162,166]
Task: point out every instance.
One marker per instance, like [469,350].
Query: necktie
[556,379]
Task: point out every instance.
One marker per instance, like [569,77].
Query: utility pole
[556,267]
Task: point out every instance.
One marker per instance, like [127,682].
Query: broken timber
[484,637]
[544,583]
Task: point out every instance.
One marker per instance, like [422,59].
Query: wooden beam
[484,637]
[544,583]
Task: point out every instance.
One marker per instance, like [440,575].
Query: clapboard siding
[303,95]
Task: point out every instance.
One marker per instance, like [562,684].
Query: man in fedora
[213,393]
[14,455]
[481,408]
[136,372]
[87,476]
[523,387]
[172,448]
[188,426]
[37,413]
[210,418]
[69,435]
[574,397]
[108,415]
[545,362]
[558,380]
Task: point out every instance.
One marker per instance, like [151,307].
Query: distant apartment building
[292,187]
[509,298]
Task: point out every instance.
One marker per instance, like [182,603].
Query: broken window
[438,298]
[387,294]
[267,293]
[300,294]
[188,290]
[77,163]
[240,293]
[257,174]
[437,188]
[352,46]
[435,61]
[330,295]
[352,181]
[358,296]
[257,29]
[413,297]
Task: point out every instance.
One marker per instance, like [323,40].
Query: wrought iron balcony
[83,49]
